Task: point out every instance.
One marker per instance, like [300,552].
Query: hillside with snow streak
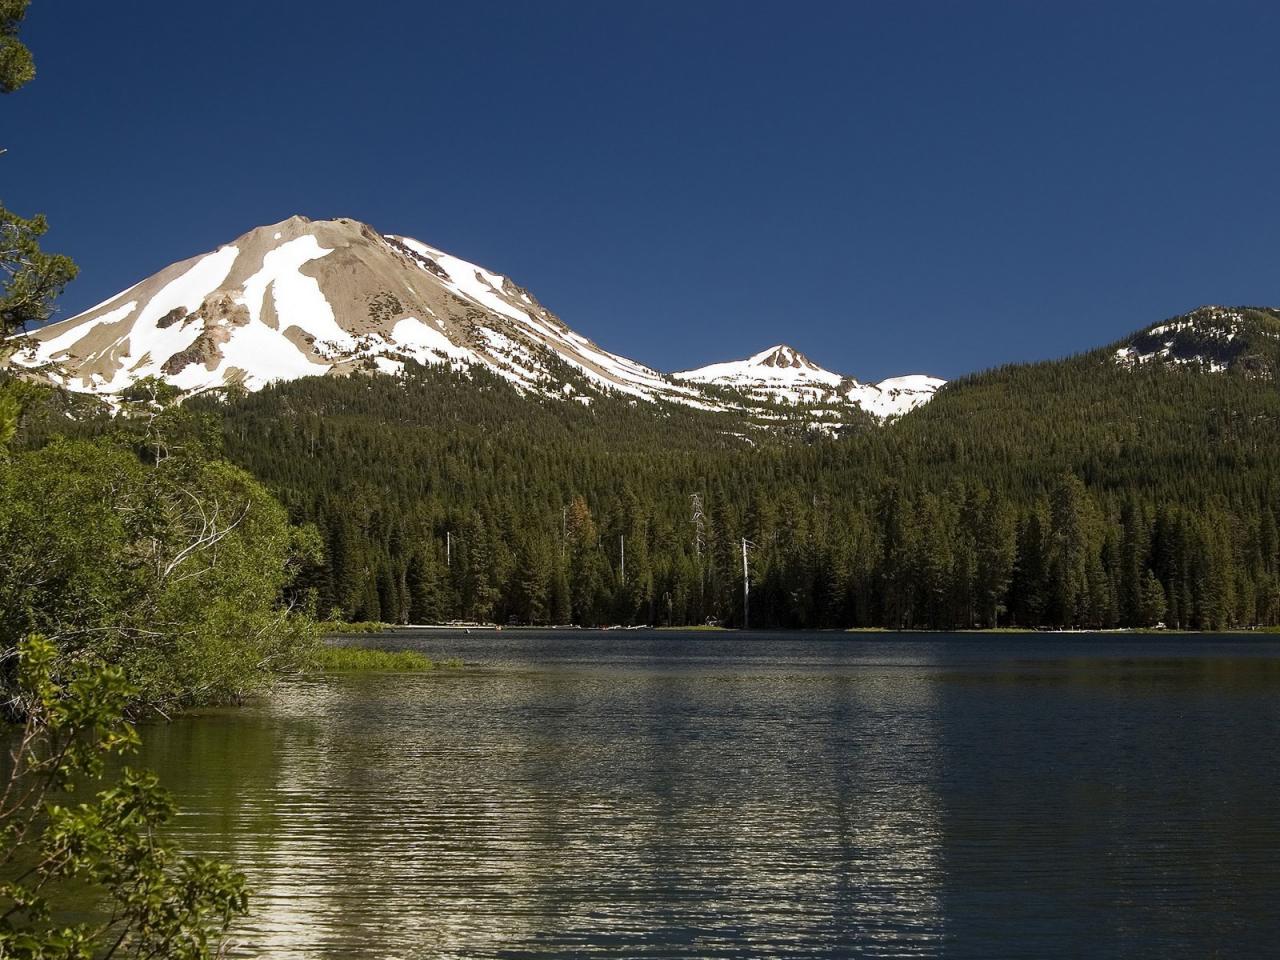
[308,298]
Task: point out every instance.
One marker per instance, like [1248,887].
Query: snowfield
[782,374]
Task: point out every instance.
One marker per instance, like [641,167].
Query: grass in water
[352,626]
[362,658]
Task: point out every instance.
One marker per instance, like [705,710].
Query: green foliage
[330,658]
[17,68]
[10,411]
[150,393]
[1152,605]
[172,570]
[31,278]
[104,854]
[352,626]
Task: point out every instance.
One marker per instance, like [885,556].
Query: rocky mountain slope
[306,298]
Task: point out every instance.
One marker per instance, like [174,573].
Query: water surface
[790,795]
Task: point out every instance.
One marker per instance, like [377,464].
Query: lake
[659,794]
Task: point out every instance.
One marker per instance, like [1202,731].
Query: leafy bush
[103,854]
[173,571]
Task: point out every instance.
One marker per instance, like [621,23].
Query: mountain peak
[779,363]
[782,357]
[782,374]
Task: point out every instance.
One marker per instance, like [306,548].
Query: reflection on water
[657,795]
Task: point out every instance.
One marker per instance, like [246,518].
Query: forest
[1063,494]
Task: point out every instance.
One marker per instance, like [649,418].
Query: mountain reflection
[782,800]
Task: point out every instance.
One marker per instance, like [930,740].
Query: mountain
[1213,339]
[783,374]
[1131,485]
[306,298]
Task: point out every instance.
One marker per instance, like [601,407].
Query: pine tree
[1151,601]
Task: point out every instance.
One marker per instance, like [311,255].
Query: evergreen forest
[1065,494]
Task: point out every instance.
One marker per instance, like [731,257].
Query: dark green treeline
[1066,494]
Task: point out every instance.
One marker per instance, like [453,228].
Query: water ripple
[781,798]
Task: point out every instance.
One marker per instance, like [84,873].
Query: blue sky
[890,187]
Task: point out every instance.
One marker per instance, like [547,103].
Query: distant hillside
[1084,492]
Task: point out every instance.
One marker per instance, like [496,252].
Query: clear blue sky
[890,187]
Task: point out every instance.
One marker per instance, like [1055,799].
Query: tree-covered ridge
[1243,339]
[1075,493]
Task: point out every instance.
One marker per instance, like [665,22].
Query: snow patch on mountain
[895,396]
[141,349]
[782,374]
[426,343]
[297,298]
[780,364]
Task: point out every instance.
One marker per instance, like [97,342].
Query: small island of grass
[332,659]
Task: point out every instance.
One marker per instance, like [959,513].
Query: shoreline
[390,628]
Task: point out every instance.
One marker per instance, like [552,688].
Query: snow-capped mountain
[305,298]
[779,373]
[784,374]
